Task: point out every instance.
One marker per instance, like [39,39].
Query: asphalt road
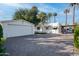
[40,45]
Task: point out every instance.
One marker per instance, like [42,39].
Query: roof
[49,24]
[5,21]
[52,24]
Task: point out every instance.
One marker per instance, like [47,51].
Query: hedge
[76,37]
[1,31]
[2,49]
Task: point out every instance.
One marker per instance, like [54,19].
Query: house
[49,28]
[54,28]
[40,28]
[13,28]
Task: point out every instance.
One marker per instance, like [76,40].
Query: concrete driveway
[40,45]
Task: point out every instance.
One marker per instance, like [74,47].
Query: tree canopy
[32,15]
[43,17]
[54,14]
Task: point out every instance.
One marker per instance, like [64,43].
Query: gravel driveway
[40,45]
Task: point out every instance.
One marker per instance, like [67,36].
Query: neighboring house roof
[54,24]
[49,24]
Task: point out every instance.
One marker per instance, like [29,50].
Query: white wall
[50,29]
[17,28]
[57,31]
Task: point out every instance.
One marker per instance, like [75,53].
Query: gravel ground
[40,45]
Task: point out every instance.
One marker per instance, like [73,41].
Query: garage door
[18,30]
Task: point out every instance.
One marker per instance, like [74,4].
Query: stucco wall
[17,28]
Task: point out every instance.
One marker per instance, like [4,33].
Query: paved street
[40,45]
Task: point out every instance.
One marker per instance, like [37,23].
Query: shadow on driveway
[34,46]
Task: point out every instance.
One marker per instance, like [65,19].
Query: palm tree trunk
[48,19]
[54,19]
[73,16]
[42,24]
[41,20]
[66,19]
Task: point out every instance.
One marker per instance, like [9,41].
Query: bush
[1,32]
[2,49]
[76,37]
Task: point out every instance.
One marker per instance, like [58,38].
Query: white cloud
[41,7]
[45,8]
[13,4]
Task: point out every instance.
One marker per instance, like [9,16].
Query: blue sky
[7,10]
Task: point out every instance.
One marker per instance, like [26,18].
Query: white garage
[13,28]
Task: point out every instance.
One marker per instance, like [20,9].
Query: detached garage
[13,28]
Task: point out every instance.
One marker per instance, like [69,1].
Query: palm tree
[42,16]
[66,12]
[54,14]
[74,5]
[34,10]
[49,15]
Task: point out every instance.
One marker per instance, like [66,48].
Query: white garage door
[18,30]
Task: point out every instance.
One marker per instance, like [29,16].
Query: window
[55,28]
[38,28]
[47,28]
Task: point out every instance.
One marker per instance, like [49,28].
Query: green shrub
[2,49]
[1,32]
[76,37]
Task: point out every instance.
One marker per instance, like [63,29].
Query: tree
[34,10]
[74,5]
[43,17]
[27,14]
[2,49]
[49,15]
[66,12]
[33,15]
[20,14]
[54,14]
